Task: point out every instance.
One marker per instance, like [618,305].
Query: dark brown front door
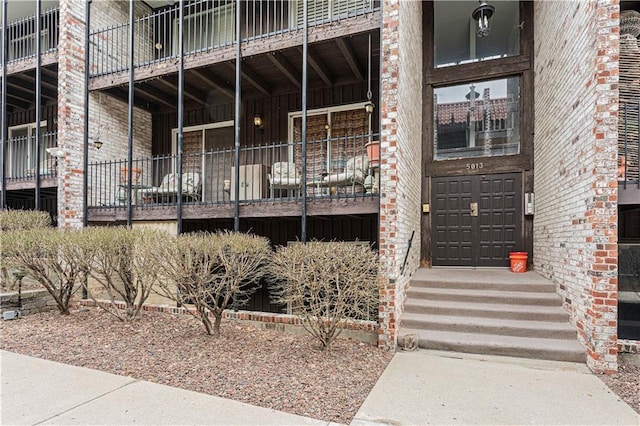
[477,220]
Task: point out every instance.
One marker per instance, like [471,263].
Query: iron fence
[334,168]
[21,35]
[629,145]
[21,157]
[210,25]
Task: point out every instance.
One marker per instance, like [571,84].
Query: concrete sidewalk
[36,391]
[432,387]
[424,387]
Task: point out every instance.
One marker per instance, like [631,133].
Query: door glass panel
[455,39]
[479,119]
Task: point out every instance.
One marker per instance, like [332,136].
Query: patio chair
[168,188]
[284,175]
[354,174]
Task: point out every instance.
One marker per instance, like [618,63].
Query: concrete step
[486,310]
[525,347]
[479,325]
[486,279]
[485,296]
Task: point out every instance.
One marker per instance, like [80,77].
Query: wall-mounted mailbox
[529,204]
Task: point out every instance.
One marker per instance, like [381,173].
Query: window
[207,29]
[319,11]
[479,119]
[21,150]
[455,40]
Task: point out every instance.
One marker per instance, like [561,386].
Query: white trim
[216,125]
[10,146]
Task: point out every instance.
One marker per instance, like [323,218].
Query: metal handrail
[268,173]
[21,35]
[210,25]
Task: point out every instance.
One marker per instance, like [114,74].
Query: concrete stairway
[489,311]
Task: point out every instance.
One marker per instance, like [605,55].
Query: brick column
[71,112]
[400,157]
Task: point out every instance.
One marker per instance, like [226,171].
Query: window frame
[520,66]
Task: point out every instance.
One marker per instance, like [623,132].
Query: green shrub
[326,283]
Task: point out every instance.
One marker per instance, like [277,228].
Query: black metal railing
[210,25]
[21,157]
[21,36]
[335,168]
[629,145]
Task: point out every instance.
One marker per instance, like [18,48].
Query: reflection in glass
[479,119]
[455,39]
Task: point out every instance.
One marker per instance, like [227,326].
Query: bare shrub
[53,258]
[11,220]
[326,283]
[122,263]
[213,272]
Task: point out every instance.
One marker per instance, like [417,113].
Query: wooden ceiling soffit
[123,95]
[318,66]
[17,102]
[350,57]
[32,81]
[214,81]
[285,67]
[253,78]
[155,95]
[188,90]
[30,91]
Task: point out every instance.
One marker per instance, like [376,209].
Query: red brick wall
[576,116]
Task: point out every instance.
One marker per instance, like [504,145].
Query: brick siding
[576,106]
[400,157]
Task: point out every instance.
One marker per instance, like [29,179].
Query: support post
[38,102]
[305,53]
[3,164]
[85,147]
[236,205]
[131,95]
[180,138]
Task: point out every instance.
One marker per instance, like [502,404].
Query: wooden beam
[253,78]
[123,95]
[350,57]
[318,66]
[17,101]
[288,40]
[32,81]
[285,67]
[215,82]
[188,90]
[30,91]
[149,92]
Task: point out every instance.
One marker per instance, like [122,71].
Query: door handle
[473,209]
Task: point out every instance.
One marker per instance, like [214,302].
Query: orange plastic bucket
[518,261]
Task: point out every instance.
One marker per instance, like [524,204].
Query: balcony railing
[21,36]
[335,168]
[21,157]
[629,145]
[210,25]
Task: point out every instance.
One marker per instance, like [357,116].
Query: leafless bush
[11,220]
[53,258]
[213,272]
[326,284]
[122,263]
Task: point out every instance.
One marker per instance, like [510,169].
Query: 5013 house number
[474,166]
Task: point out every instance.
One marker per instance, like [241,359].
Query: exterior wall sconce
[481,15]
[257,122]
[327,127]
[97,143]
[368,107]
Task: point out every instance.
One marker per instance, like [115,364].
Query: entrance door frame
[513,66]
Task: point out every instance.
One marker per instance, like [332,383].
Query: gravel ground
[626,382]
[266,368]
